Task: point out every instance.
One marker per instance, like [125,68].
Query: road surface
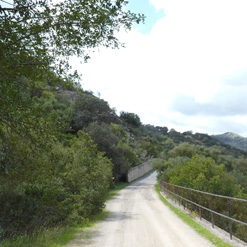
[138,218]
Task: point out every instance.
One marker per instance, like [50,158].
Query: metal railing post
[211,207]
[229,213]
[199,202]
[184,200]
[174,191]
[179,198]
[190,203]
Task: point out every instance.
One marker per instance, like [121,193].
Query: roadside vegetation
[52,172]
[208,169]
[62,148]
[196,226]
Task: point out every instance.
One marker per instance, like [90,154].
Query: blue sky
[186,68]
[148,9]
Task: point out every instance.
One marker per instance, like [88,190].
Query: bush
[68,187]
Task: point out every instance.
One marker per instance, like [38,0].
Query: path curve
[138,218]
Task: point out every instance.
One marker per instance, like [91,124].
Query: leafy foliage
[37,38]
[64,184]
[37,33]
[111,140]
[203,174]
[61,148]
[131,119]
[204,169]
[87,109]
[47,175]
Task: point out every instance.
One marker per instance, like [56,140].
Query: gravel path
[138,218]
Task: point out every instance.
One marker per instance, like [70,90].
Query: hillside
[62,148]
[67,147]
[233,140]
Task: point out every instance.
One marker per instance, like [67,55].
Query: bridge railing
[228,213]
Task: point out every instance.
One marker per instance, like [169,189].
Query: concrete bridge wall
[138,171]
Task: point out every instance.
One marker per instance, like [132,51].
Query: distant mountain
[233,140]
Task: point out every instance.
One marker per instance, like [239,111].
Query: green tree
[168,145]
[63,185]
[111,140]
[47,177]
[150,148]
[131,119]
[35,33]
[202,174]
[183,149]
[87,109]
[37,37]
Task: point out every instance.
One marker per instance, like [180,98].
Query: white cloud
[197,50]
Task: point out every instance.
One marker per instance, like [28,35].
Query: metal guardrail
[176,191]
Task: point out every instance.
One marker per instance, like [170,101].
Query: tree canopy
[36,40]
[47,175]
[61,147]
[35,33]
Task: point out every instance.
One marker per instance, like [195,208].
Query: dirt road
[138,218]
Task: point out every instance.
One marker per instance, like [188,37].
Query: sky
[185,68]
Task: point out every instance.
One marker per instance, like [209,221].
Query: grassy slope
[53,237]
